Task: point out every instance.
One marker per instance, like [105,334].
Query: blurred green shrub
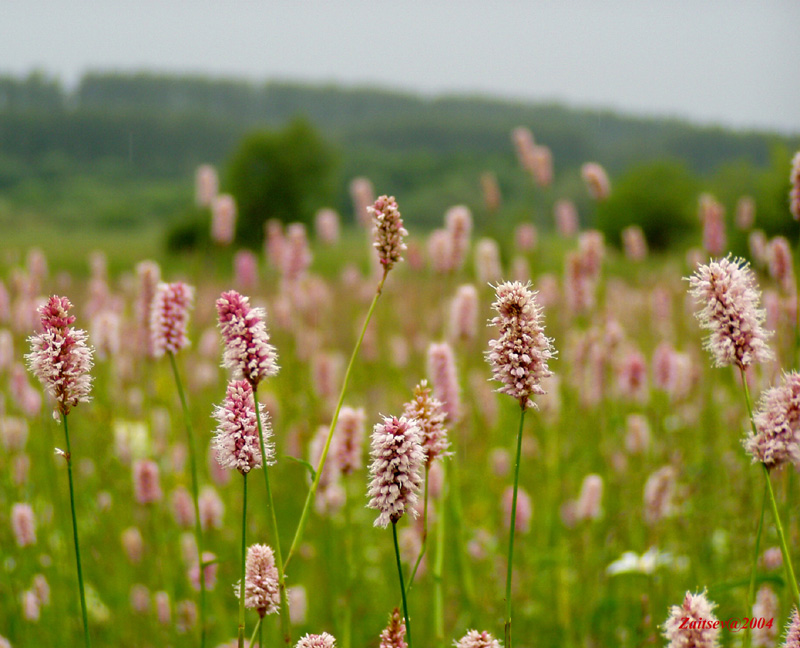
[661,197]
[285,174]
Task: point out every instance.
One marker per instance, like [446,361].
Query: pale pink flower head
[793,630]
[248,352]
[464,313]
[236,439]
[781,266]
[397,460]
[132,543]
[146,482]
[430,416]
[388,231]
[443,375]
[519,356]
[475,639]
[163,607]
[60,357]
[458,221]
[363,195]
[326,226]
[23,524]
[632,376]
[223,219]
[522,520]
[659,491]
[524,144]
[261,590]
[491,191]
[206,185]
[777,423]
[274,242]
[245,268]
[699,630]
[728,296]
[566,216]
[745,212]
[210,567]
[487,261]
[169,317]
[766,607]
[589,504]
[712,215]
[596,180]
[182,507]
[794,192]
[634,242]
[525,237]
[394,634]
[323,640]
[296,256]
[212,508]
[440,251]
[140,598]
[349,438]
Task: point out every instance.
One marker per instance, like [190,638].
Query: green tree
[660,197]
[284,174]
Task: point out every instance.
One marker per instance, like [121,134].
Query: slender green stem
[438,585]
[787,559]
[244,557]
[752,589]
[257,629]
[198,529]
[424,532]
[68,457]
[260,634]
[273,522]
[511,532]
[402,587]
[315,483]
[347,624]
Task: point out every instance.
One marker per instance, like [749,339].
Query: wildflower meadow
[367,434]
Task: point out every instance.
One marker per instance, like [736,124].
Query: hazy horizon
[708,63]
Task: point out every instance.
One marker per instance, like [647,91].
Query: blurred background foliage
[118,153]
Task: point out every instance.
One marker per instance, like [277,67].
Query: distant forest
[135,128]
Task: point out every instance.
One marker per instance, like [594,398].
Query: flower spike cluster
[727,292]
[397,459]
[60,357]
[169,317]
[777,423]
[430,416]
[248,352]
[519,356]
[236,439]
[261,590]
[323,640]
[475,639]
[388,231]
[699,630]
[394,634]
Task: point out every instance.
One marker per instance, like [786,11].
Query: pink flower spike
[729,298]
[519,356]
[236,439]
[394,635]
[261,592]
[699,630]
[248,352]
[475,639]
[60,357]
[388,231]
[777,423]
[169,317]
[323,640]
[397,460]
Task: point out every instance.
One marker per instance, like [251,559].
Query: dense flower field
[369,499]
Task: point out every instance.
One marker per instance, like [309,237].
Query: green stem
[402,587]
[198,529]
[349,576]
[315,483]
[438,585]
[273,521]
[787,559]
[244,557]
[511,532]
[68,457]
[257,629]
[752,589]
[424,532]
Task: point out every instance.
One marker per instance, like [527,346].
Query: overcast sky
[734,62]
